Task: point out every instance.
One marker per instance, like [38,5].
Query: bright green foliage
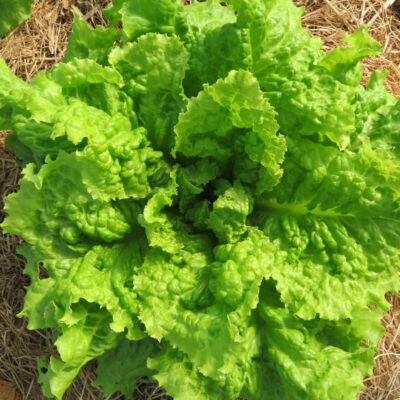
[215,199]
[85,42]
[121,367]
[13,12]
[153,69]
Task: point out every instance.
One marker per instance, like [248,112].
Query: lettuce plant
[13,12]
[215,201]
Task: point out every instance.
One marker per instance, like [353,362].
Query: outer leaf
[154,82]
[374,110]
[378,116]
[174,368]
[11,92]
[85,42]
[77,346]
[139,18]
[312,358]
[313,111]
[279,46]
[203,17]
[43,118]
[46,307]
[212,34]
[120,367]
[308,99]
[94,84]
[83,72]
[336,228]
[343,62]
[13,13]
[59,207]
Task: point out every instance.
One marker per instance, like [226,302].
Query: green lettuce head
[214,198]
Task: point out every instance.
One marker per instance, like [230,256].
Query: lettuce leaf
[87,43]
[155,83]
[13,12]
[336,227]
[293,352]
[123,369]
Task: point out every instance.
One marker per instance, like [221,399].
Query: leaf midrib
[300,209]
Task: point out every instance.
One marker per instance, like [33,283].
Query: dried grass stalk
[40,42]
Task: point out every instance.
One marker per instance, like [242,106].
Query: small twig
[93,11]
[362,13]
[372,20]
[29,389]
[87,16]
[334,9]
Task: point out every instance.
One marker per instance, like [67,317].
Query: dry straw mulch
[39,43]
[331,19]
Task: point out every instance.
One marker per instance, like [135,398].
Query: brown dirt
[39,43]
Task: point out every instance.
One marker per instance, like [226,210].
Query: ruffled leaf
[232,122]
[336,229]
[13,12]
[155,82]
[120,367]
